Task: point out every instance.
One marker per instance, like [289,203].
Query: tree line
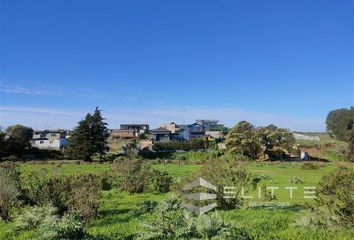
[90,138]
[340,126]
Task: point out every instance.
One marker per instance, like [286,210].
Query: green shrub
[310,166]
[109,157]
[11,170]
[9,188]
[161,181]
[295,180]
[234,157]
[135,175]
[266,194]
[146,206]
[8,195]
[48,225]
[84,194]
[174,222]
[106,181]
[194,144]
[224,174]
[335,199]
[72,192]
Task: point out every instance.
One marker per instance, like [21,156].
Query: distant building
[49,139]
[299,136]
[192,131]
[210,125]
[129,130]
[118,133]
[172,127]
[138,128]
[161,135]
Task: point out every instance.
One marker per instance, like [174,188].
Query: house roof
[195,124]
[160,129]
[135,124]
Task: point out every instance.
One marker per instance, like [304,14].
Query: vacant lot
[119,220]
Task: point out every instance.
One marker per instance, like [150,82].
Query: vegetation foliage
[340,125]
[335,198]
[174,222]
[263,142]
[89,138]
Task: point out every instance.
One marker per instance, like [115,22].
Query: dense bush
[135,175]
[174,222]
[84,197]
[295,180]
[310,166]
[73,192]
[50,226]
[9,188]
[8,195]
[161,181]
[146,206]
[224,174]
[194,144]
[335,199]
[106,181]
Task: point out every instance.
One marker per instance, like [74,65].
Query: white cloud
[57,118]
[41,88]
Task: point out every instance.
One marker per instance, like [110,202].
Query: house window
[50,142]
[41,142]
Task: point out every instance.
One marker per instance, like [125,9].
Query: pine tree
[89,137]
[100,132]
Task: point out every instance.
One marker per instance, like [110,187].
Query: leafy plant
[295,180]
[335,199]
[72,192]
[146,206]
[135,175]
[48,225]
[174,222]
[8,195]
[161,181]
[9,188]
[224,174]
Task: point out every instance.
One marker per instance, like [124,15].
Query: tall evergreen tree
[89,137]
[100,131]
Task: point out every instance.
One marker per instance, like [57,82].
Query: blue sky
[275,61]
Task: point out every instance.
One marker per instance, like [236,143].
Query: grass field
[119,220]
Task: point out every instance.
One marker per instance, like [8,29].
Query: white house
[49,139]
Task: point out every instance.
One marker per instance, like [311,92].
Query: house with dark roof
[210,125]
[161,135]
[192,131]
